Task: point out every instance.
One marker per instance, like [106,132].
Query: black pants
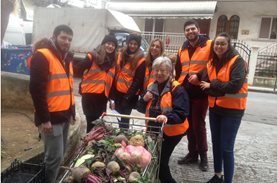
[93,106]
[124,122]
[168,146]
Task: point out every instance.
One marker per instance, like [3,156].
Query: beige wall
[250,13]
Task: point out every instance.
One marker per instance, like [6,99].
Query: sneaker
[216,179]
[203,163]
[188,159]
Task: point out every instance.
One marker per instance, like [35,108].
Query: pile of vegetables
[113,155]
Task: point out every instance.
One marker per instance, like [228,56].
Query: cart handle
[128,116]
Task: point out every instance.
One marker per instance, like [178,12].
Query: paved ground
[255,156]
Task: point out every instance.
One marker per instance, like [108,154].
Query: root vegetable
[78,173]
[113,167]
[134,177]
[134,154]
[93,179]
[137,140]
[98,164]
[119,138]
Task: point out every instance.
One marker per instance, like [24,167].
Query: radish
[78,173]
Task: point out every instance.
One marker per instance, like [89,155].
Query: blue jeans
[223,131]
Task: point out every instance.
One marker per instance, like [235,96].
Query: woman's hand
[161,119]
[193,79]
[205,85]
[148,96]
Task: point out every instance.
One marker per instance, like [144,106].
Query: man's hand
[148,96]
[193,79]
[161,119]
[46,127]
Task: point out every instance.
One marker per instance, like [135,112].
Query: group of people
[208,74]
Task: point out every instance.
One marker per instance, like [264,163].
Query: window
[234,26]
[154,25]
[268,28]
[230,26]
[221,24]
[148,25]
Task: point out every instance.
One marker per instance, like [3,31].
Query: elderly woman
[227,89]
[167,101]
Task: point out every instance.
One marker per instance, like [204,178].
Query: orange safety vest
[197,63]
[125,76]
[149,78]
[166,106]
[230,101]
[96,80]
[60,87]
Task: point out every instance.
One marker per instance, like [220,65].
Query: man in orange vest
[51,88]
[192,58]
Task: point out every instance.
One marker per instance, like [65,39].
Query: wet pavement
[255,157]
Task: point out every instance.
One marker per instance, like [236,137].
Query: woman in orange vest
[98,73]
[167,101]
[130,72]
[155,50]
[226,86]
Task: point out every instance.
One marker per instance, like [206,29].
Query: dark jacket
[193,90]
[180,103]
[237,78]
[137,85]
[39,73]
[94,104]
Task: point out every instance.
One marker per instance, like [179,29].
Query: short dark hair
[191,22]
[62,28]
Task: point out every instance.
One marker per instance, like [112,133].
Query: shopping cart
[137,124]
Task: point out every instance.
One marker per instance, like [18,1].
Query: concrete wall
[250,13]
[15,91]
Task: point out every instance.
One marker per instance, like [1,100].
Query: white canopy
[120,21]
[191,9]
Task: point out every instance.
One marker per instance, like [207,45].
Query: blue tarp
[15,59]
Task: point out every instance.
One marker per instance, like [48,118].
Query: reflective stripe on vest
[230,101]
[96,80]
[125,75]
[60,87]
[197,63]
[166,106]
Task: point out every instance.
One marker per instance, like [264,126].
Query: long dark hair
[213,57]
[100,56]
[149,59]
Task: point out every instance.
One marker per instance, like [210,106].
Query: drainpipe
[252,64]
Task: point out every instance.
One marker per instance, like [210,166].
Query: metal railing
[267,62]
[243,49]
[173,41]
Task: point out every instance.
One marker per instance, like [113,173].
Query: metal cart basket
[137,124]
